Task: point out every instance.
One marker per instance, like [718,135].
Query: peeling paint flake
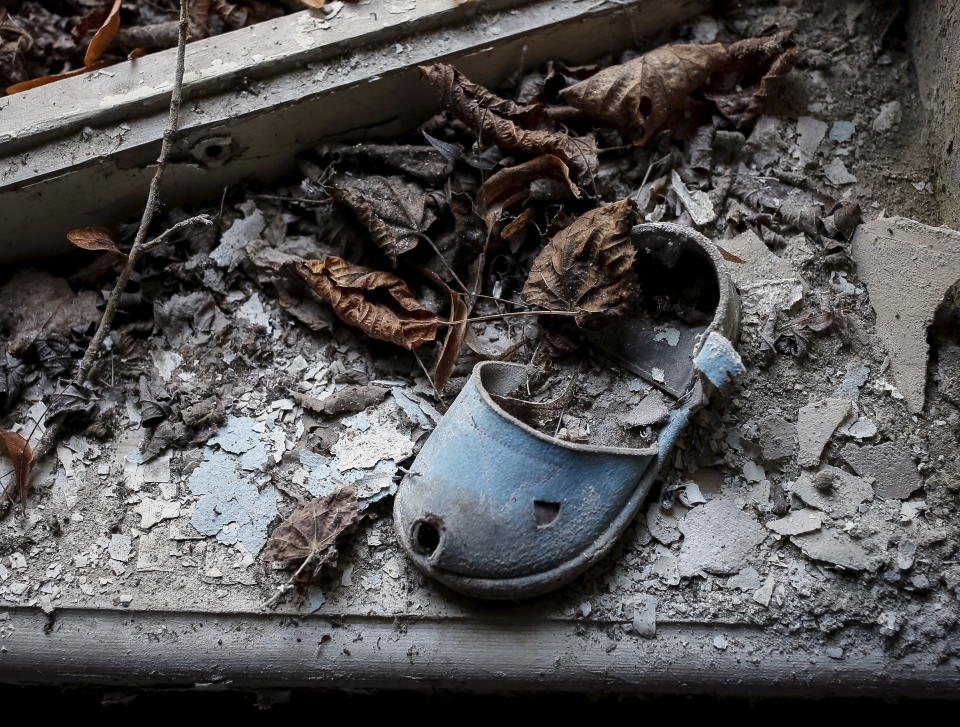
[384,439]
[371,484]
[231,506]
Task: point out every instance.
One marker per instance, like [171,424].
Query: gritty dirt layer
[740,533]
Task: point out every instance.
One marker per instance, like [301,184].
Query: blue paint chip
[315,599]
[231,506]
[411,408]
[842,130]
[718,360]
[360,422]
[324,478]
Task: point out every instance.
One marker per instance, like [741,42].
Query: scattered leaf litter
[849,365]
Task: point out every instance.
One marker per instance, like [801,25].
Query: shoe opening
[425,536]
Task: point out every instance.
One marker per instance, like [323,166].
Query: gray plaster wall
[935,44]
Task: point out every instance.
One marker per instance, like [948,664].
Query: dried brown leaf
[427,163]
[44,80]
[642,96]
[588,266]
[453,340]
[505,123]
[91,21]
[378,303]
[518,225]
[74,399]
[198,19]
[727,255]
[311,531]
[746,104]
[233,16]
[18,451]
[104,36]
[93,238]
[397,213]
[98,45]
[16,42]
[512,185]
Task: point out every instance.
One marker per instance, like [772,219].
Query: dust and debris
[235,240]
[644,621]
[892,470]
[835,548]
[718,537]
[888,117]
[816,424]
[837,174]
[833,491]
[797,522]
[810,133]
[762,540]
[908,268]
[748,579]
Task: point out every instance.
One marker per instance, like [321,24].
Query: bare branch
[140,244]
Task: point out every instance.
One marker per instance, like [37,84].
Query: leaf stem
[495,316]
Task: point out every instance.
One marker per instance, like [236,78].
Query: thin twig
[495,316]
[301,200]
[153,201]
[52,435]
[288,586]
[179,227]
[501,300]
[446,264]
[646,176]
[426,373]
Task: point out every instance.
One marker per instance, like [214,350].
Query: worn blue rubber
[495,509]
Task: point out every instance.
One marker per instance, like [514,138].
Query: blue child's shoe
[496,509]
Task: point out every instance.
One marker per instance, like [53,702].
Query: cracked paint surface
[231,506]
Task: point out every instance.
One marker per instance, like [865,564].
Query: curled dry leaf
[588,266]
[93,238]
[310,533]
[515,228]
[454,338]
[91,61]
[104,36]
[75,399]
[452,342]
[512,185]
[18,451]
[378,303]
[13,371]
[89,22]
[644,95]
[468,99]
[395,212]
[729,256]
[429,164]
[234,16]
[746,104]
[503,122]
[44,80]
